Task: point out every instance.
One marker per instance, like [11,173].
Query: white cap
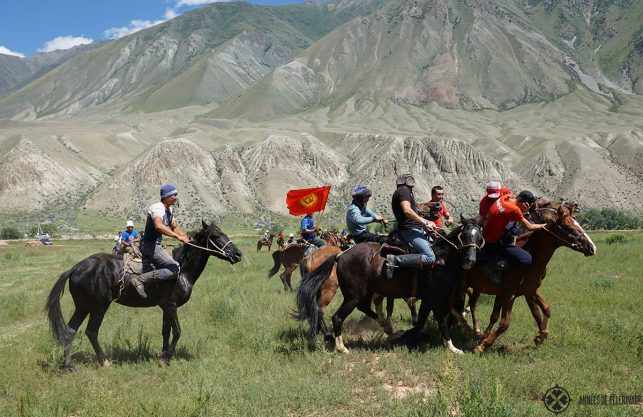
[291,235]
[129,224]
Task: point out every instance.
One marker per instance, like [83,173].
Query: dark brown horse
[361,274]
[263,242]
[562,230]
[97,281]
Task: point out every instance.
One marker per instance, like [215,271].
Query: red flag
[307,200]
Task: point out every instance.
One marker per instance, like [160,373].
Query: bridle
[219,250]
[572,240]
[462,245]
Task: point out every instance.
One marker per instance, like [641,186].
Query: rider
[129,237]
[494,190]
[160,221]
[507,209]
[411,228]
[266,236]
[359,215]
[291,239]
[308,230]
[438,209]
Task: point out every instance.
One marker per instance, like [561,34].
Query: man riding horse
[359,215]
[507,209]
[308,230]
[160,221]
[411,228]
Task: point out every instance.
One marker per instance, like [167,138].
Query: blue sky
[30,26]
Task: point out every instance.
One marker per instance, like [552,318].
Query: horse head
[470,240]
[217,243]
[559,217]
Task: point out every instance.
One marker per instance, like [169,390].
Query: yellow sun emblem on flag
[309,200]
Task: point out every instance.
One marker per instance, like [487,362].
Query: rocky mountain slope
[236,104]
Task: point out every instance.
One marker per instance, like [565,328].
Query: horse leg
[544,326]
[95,320]
[167,328]
[347,307]
[327,291]
[473,302]
[378,300]
[423,315]
[442,318]
[504,325]
[173,318]
[411,303]
[74,322]
[285,277]
[495,314]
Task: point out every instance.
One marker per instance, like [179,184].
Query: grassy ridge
[240,353]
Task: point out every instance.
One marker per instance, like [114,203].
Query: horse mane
[186,254]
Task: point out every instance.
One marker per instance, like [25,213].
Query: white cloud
[170,13]
[7,51]
[194,2]
[65,42]
[134,26]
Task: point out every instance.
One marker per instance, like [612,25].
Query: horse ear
[204,224]
[463,220]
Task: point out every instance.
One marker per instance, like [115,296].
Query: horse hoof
[479,333]
[163,362]
[341,351]
[539,339]
[479,350]
[106,363]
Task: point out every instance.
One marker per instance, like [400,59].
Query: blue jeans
[417,238]
[154,254]
[517,257]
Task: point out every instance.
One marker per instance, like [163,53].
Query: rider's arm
[356,217]
[408,212]
[531,226]
[174,232]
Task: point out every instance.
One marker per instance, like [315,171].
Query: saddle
[132,263]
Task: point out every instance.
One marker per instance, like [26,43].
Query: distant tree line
[11,232]
[609,219]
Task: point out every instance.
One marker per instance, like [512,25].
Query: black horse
[361,273]
[96,281]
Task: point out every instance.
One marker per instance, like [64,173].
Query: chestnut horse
[562,230]
[361,274]
[290,257]
[97,281]
[261,242]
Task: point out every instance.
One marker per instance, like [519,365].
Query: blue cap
[168,190]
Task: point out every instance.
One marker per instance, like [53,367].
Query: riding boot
[404,261]
[139,281]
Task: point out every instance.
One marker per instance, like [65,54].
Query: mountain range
[237,103]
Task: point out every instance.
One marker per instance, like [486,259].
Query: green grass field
[240,353]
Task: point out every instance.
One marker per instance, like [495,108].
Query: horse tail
[307,294]
[62,333]
[277,265]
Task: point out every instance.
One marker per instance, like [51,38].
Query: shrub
[616,240]
[10,232]
[609,219]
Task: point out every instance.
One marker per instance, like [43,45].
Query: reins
[572,244]
[218,250]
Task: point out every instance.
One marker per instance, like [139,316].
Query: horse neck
[542,246]
[193,262]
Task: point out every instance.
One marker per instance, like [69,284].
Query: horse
[263,242]
[361,274]
[98,280]
[330,238]
[290,257]
[562,230]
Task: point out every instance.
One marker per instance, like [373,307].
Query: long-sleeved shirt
[356,220]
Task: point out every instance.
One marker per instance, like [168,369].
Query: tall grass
[241,354]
